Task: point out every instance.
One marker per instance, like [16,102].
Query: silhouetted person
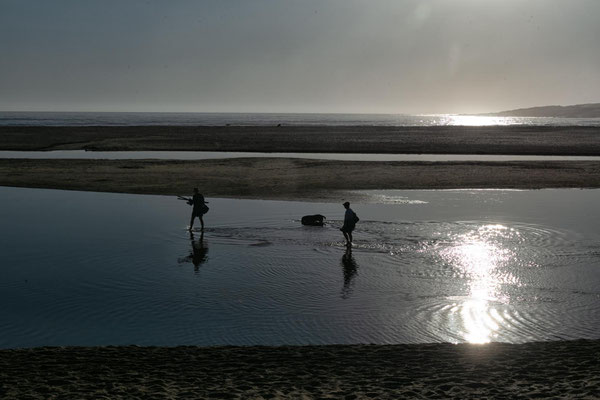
[350,268]
[200,208]
[350,220]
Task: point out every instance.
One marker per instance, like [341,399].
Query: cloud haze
[412,56]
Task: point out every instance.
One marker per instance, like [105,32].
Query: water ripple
[402,282]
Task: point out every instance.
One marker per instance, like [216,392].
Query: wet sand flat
[568,369]
[300,179]
[523,140]
[280,178]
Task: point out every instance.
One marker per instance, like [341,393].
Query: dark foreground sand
[557,370]
[299,179]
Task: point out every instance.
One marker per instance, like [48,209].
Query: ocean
[258,119]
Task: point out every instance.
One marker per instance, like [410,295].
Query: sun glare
[478,120]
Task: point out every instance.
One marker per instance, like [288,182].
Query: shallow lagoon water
[210,155]
[82,268]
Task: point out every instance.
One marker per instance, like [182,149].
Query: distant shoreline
[590,110]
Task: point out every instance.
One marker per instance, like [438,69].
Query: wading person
[350,220]
[200,208]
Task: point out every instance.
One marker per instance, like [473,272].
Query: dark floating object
[313,220]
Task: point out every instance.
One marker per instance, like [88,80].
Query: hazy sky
[394,56]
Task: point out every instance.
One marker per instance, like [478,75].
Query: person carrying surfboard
[200,207]
[350,220]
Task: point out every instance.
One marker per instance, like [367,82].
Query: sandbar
[515,139]
[300,179]
[291,179]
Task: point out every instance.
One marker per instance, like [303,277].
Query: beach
[558,370]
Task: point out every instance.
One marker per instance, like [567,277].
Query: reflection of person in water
[350,268]
[199,252]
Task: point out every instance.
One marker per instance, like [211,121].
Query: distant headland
[591,110]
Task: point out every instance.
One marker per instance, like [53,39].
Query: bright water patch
[211,155]
[427,266]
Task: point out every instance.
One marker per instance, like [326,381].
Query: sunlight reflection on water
[480,255]
[479,120]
